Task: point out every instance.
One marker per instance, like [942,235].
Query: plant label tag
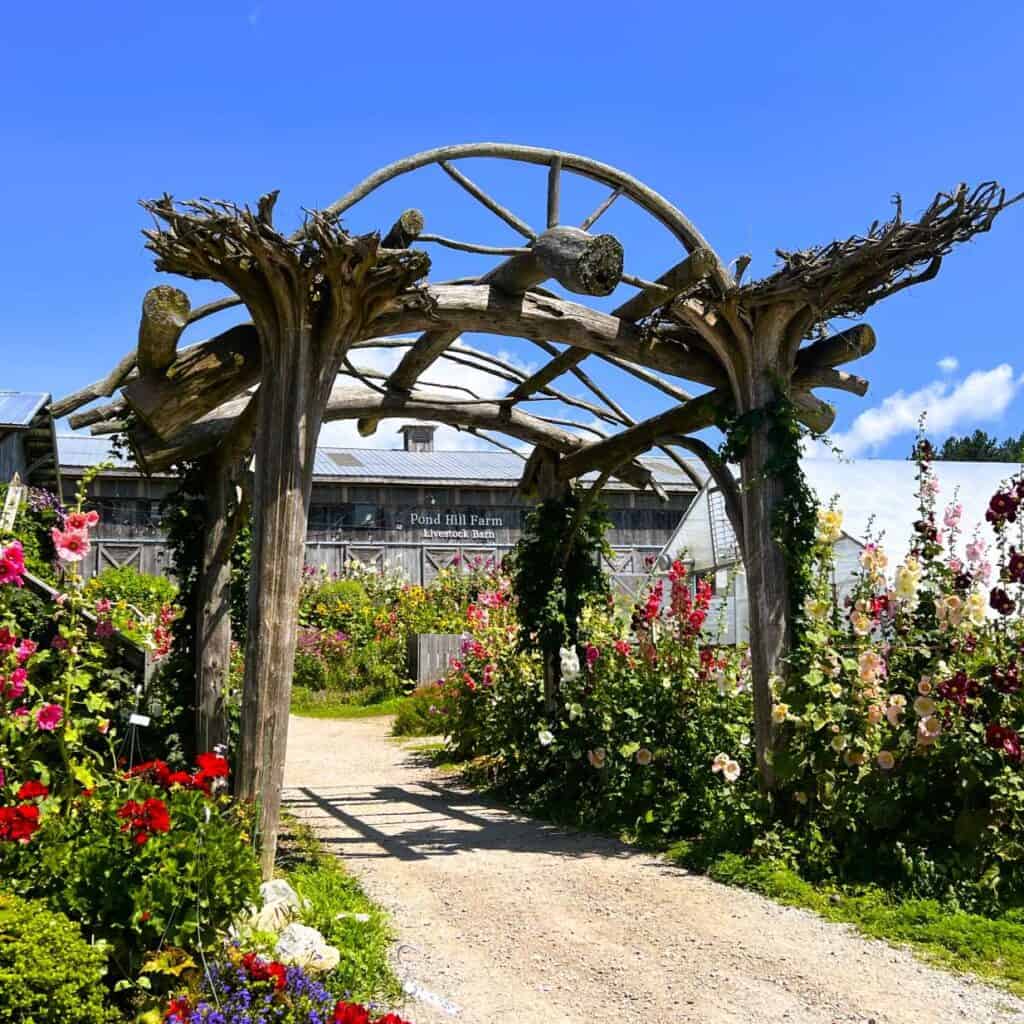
[142,720]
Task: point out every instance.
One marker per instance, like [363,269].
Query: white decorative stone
[280,903]
[305,947]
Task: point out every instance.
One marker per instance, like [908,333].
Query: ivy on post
[308,298]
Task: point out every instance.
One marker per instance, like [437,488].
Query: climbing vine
[795,523]
[557,568]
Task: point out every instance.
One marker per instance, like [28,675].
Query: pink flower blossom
[953,514]
[976,550]
[592,655]
[103,606]
[12,565]
[71,545]
[16,685]
[49,716]
[20,712]
[26,649]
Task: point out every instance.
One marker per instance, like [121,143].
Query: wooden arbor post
[308,299]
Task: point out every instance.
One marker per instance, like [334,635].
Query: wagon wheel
[558,163]
[580,261]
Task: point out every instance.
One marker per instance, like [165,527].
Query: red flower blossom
[18,824]
[155,771]
[263,970]
[1015,566]
[1002,737]
[350,1013]
[391,1018]
[213,766]
[31,790]
[144,818]
[178,1011]
[1001,601]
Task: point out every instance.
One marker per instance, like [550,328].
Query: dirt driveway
[502,919]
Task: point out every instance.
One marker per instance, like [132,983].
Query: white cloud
[343,433]
[948,364]
[980,396]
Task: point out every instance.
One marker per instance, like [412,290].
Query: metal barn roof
[377,464]
[20,408]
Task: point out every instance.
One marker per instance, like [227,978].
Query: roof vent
[419,437]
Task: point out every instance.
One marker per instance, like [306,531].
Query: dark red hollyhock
[958,689]
[1002,508]
[31,790]
[1015,566]
[926,528]
[1002,737]
[1006,680]
[1001,601]
[350,1013]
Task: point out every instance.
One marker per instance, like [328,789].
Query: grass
[989,947]
[331,704]
[337,907]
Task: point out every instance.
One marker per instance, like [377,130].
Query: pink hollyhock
[103,606]
[12,565]
[20,712]
[49,716]
[16,686]
[71,545]
[26,649]
[81,520]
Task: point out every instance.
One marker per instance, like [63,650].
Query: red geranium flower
[350,1013]
[213,766]
[178,1011]
[32,789]
[262,970]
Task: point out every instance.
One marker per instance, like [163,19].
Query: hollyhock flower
[1006,680]
[870,666]
[830,525]
[545,737]
[908,576]
[893,715]
[874,714]
[15,687]
[974,608]
[1001,601]
[720,761]
[596,757]
[950,611]
[924,706]
[953,514]
[1015,566]
[861,623]
[976,550]
[924,686]
[71,545]
[592,654]
[644,757]
[928,730]
[569,663]
[25,650]
[885,760]
[1002,509]
[48,717]
[780,712]
[731,771]
[1003,738]
[12,565]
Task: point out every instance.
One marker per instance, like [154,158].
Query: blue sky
[768,129]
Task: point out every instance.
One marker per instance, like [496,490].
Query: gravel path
[502,919]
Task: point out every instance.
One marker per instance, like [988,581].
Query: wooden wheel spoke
[588,222]
[554,190]
[482,197]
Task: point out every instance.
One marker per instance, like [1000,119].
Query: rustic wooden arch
[321,296]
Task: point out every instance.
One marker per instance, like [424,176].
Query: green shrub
[421,713]
[182,885]
[142,591]
[48,972]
